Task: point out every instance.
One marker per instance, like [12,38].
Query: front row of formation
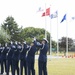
[11,55]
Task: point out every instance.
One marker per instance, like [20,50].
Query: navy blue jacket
[23,52]
[17,49]
[43,52]
[1,48]
[31,53]
[10,52]
[4,52]
[14,48]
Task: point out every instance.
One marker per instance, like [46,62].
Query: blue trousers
[42,67]
[23,64]
[3,64]
[9,63]
[30,68]
[15,67]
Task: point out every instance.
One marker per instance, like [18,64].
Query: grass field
[62,66]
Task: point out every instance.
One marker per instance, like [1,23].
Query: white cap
[45,40]
[24,42]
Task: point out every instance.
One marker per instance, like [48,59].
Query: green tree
[4,37]
[11,27]
[54,45]
[62,44]
[30,32]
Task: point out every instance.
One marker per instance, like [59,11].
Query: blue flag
[64,18]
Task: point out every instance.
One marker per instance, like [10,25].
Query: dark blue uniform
[4,59]
[42,61]
[15,57]
[19,49]
[31,60]
[9,58]
[23,59]
[1,48]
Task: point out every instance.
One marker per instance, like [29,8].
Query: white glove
[34,39]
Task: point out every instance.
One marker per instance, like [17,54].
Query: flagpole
[50,35]
[66,38]
[50,39]
[57,37]
[45,23]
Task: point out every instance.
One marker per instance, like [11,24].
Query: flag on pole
[64,18]
[43,14]
[54,15]
[47,13]
[39,9]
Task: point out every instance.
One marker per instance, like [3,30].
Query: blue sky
[26,15]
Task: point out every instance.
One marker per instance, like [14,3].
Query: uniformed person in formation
[19,49]
[31,58]
[15,59]
[1,48]
[42,61]
[4,58]
[23,58]
[9,57]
